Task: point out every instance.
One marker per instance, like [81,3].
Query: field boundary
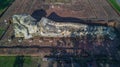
[113,6]
[5,9]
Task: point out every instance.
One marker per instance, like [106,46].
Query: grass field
[115,5]
[1,31]
[4,4]
[15,61]
[6,61]
[20,61]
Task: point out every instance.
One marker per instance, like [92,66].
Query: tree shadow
[66,59]
[53,16]
[57,18]
[39,65]
[19,61]
[38,14]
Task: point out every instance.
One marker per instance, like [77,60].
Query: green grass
[115,5]
[1,31]
[4,4]
[10,61]
[7,61]
[27,60]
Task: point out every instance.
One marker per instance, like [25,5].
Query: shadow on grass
[19,61]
